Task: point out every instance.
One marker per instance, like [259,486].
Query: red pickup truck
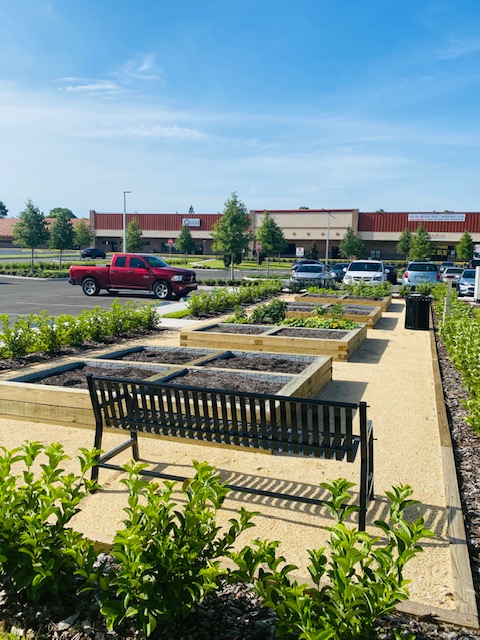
[139,271]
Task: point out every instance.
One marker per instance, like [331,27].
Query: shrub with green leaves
[19,339]
[365,290]
[356,579]
[272,312]
[223,300]
[168,555]
[39,553]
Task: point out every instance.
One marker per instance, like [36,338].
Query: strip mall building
[302,229]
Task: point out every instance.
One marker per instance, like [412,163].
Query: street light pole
[328,238]
[124,226]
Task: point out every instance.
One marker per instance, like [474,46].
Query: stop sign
[170,241]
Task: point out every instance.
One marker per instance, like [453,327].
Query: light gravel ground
[392,372]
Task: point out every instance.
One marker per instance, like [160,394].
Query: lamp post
[328,236]
[124,226]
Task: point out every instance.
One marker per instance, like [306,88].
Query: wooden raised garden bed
[364,314]
[320,298]
[337,344]
[40,394]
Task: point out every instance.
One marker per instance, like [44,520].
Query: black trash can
[417,313]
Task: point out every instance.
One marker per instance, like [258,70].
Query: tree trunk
[232,269]
[61,253]
[31,261]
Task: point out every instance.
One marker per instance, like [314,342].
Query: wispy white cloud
[141,67]
[170,132]
[94,87]
[460,47]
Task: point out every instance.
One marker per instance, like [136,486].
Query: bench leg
[134,439]
[97,444]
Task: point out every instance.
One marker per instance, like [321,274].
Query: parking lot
[22,296]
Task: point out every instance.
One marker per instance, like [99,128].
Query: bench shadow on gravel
[388,324]
[435,516]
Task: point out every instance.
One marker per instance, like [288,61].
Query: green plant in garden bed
[39,553]
[321,323]
[364,290]
[460,332]
[356,578]
[168,556]
[222,300]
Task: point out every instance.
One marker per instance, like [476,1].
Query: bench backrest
[283,424]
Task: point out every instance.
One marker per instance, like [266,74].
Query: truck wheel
[90,287]
[162,290]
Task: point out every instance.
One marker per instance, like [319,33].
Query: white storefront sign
[191,222]
[436,217]
[300,252]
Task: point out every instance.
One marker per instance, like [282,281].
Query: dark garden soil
[165,356]
[77,378]
[319,334]
[234,612]
[259,363]
[249,329]
[233,381]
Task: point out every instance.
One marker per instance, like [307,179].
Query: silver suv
[420,272]
[369,271]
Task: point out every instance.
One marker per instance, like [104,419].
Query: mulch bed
[7,364]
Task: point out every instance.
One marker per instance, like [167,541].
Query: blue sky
[321,103]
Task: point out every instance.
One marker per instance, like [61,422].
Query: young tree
[231,234]
[404,242]
[3,210]
[54,213]
[271,238]
[313,253]
[185,243]
[421,245]
[31,229]
[465,247]
[83,234]
[61,233]
[352,245]
[134,237]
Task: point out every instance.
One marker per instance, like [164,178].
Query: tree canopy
[231,234]
[352,245]
[270,236]
[83,234]
[421,246]
[185,243]
[404,242]
[465,247]
[134,235]
[61,233]
[54,213]
[31,229]
[3,210]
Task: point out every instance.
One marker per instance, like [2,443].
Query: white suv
[368,271]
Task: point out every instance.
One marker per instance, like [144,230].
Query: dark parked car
[298,263]
[338,271]
[391,273]
[91,252]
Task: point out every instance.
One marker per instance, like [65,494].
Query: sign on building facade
[191,222]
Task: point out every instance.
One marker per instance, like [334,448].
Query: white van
[369,271]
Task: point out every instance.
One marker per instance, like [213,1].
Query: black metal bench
[278,424]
